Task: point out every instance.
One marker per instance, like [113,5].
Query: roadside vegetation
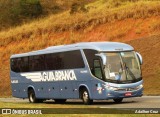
[95,20]
[99,12]
[17,12]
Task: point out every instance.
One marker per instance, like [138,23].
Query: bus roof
[99,46]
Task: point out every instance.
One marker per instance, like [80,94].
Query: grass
[105,32]
[39,105]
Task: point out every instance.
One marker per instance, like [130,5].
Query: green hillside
[79,21]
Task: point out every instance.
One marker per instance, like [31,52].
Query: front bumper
[121,94]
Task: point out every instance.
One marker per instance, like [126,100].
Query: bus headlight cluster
[139,87]
[124,89]
[111,88]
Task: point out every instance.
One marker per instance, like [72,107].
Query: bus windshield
[122,67]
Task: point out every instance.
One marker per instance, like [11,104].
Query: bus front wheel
[119,100]
[85,97]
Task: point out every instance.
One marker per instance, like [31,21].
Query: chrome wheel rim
[85,96]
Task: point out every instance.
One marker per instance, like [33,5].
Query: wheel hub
[85,95]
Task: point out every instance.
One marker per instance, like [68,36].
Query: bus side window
[24,64]
[15,65]
[90,56]
[97,69]
[36,63]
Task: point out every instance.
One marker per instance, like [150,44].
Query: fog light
[109,94]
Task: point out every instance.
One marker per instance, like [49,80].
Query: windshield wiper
[130,72]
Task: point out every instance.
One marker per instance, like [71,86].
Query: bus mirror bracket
[103,57]
[139,58]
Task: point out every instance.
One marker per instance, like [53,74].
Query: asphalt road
[138,102]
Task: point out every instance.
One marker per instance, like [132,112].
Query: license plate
[128,94]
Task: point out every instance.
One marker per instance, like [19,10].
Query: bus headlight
[111,88]
[139,87]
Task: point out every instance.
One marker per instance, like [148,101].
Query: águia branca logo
[51,76]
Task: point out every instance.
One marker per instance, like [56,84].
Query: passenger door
[98,91]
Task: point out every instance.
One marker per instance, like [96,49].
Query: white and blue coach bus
[88,71]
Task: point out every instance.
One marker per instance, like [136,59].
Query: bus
[88,71]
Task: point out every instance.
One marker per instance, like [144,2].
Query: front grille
[127,89]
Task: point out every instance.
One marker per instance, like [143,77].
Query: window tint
[94,63]
[24,64]
[73,60]
[90,55]
[64,60]
[53,61]
[36,63]
[97,69]
[19,64]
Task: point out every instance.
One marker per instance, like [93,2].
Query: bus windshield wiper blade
[131,73]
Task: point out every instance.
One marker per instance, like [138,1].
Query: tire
[118,100]
[85,97]
[60,101]
[32,97]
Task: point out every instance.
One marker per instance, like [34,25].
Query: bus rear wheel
[60,101]
[32,97]
[85,97]
[118,100]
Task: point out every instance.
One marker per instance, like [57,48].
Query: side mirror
[103,57]
[139,58]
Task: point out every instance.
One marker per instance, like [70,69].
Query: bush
[30,8]
[15,12]
[117,3]
[56,9]
[77,7]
